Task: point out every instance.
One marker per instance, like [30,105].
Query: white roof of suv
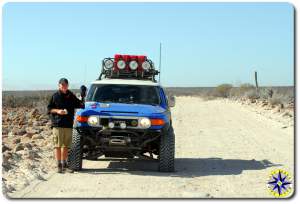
[126,81]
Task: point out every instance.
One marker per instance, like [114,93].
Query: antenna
[84,74]
[159,61]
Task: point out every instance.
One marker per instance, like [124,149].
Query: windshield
[124,94]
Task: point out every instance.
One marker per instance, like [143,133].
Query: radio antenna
[85,67]
[159,61]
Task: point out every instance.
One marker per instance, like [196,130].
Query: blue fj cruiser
[126,115]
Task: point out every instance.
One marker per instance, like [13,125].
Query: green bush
[12,101]
[223,90]
[246,87]
[242,91]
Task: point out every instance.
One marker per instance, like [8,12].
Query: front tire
[167,151]
[75,153]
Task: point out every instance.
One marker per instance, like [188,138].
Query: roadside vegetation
[281,96]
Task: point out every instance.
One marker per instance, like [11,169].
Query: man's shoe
[67,169]
[59,168]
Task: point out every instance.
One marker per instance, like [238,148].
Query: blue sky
[204,44]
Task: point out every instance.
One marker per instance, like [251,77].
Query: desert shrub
[275,101]
[241,91]
[264,93]
[280,99]
[251,94]
[222,90]
[12,101]
[246,87]
[41,106]
[9,101]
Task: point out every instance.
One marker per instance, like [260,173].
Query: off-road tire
[75,152]
[167,151]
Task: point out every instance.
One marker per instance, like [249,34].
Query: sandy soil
[223,149]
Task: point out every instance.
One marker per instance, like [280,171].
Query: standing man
[61,109]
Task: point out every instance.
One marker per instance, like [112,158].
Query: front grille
[117,121]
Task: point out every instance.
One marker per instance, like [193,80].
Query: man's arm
[57,111]
[52,108]
[77,103]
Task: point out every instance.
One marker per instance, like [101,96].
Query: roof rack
[128,67]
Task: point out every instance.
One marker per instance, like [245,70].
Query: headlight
[121,64]
[145,122]
[93,120]
[146,65]
[122,125]
[108,64]
[111,125]
[133,65]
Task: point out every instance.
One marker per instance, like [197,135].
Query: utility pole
[256,83]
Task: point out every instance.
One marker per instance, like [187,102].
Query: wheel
[75,153]
[167,151]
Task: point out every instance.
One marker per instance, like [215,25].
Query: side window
[163,97]
[166,97]
[90,94]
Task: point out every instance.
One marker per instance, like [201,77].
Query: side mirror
[83,91]
[171,101]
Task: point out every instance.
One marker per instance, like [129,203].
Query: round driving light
[121,64]
[111,125]
[133,65]
[122,125]
[108,64]
[145,123]
[134,123]
[93,120]
[146,65]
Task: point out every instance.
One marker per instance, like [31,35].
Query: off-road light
[111,125]
[133,65]
[121,64]
[122,125]
[134,123]
[108,64]
[145,122]
[146,65]
[93,120]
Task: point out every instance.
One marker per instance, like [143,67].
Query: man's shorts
[62,137]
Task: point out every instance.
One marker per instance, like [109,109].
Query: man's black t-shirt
[68,101]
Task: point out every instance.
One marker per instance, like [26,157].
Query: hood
[121,109]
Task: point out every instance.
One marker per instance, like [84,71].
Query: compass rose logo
[280,183]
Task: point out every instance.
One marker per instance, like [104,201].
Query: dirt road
[223,149]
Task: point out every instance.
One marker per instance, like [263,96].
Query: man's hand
[62,112]
[59,111]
